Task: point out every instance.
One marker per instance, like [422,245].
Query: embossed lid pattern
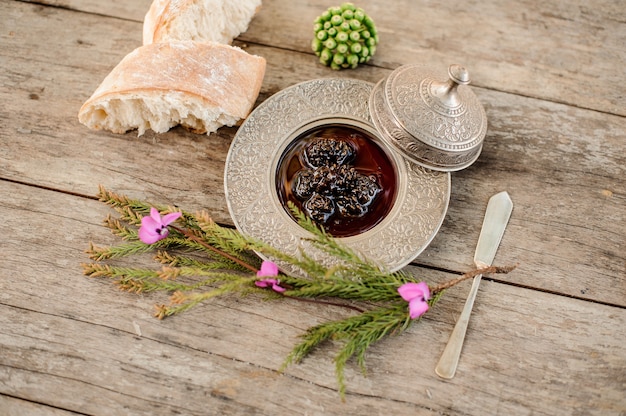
[433,110]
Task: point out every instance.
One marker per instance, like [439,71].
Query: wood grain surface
[546,339]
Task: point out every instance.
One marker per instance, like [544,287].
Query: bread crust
[210,77]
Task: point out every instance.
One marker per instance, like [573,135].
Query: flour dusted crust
[199,85]
[201,20]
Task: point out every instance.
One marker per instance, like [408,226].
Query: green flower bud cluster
[344,37]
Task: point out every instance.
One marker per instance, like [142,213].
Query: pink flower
[154,228]
[269,269]
[416,294]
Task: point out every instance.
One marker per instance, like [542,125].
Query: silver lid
[433,120]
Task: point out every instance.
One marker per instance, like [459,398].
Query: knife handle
[446,367]
[497,216]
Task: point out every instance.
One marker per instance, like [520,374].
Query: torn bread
[199,85]
[200,20]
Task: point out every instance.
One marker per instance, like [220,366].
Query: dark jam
[340,178]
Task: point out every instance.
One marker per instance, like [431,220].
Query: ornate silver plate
[251,166]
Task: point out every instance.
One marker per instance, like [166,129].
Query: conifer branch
[200,260]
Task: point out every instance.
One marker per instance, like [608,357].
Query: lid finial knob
[459,74]
[446,91]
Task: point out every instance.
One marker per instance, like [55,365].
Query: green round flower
[345,36]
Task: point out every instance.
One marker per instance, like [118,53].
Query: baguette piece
[201,20]
[199,85]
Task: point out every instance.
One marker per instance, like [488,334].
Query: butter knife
[496,218]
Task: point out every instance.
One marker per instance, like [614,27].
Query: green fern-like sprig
[123,204]
[166,257]
[316,335]
[321,239]
[357,334]
[111,252]
[342,289]
[119,229]
[129,279]
[137,247]
[236,243]
[229,257]
[148,280]
[188,301]
[385,321]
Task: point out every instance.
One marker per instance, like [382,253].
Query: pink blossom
[417,295]
[269,269]
[154,228]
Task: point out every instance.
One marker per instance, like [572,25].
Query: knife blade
[496,218]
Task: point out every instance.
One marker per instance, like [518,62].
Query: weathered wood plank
[128,10]
[571,53]
[79,344]
[575,233]
[11,406]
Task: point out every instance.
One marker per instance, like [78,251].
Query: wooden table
[546,339]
